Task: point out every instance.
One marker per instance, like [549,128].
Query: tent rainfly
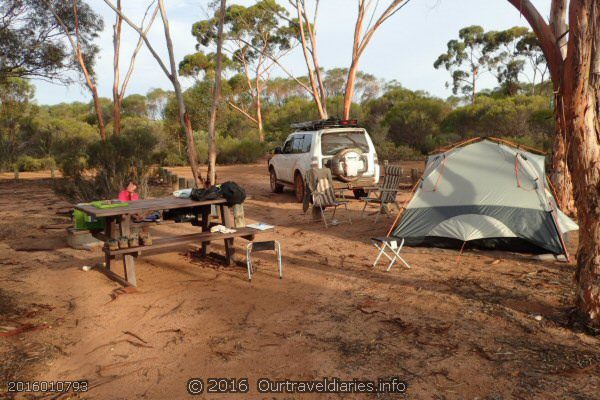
[488,194]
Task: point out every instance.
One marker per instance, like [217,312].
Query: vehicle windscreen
[333,142]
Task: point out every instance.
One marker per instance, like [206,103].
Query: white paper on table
[260,226]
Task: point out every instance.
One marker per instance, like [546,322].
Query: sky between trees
[403,49]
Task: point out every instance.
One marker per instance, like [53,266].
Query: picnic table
[119,223]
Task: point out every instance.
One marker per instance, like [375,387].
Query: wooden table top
[141,206]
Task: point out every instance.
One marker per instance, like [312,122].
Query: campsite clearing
[495,325]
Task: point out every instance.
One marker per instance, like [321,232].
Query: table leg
[128,259]
[205,211]
[110,231]
[226,221]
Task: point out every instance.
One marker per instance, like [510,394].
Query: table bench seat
[163,243]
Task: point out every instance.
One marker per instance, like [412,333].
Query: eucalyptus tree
[529,48]
[80,48]
[574,62]
[170,70]
[33,44]
[119,87]
[503,57]
[464,59]
[254,39]
[368,20]
[216,97]
[16,95]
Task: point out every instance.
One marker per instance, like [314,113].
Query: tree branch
[245,113]
[545,35]
[144,37]
[135,53]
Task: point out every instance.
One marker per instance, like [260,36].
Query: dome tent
[489,193]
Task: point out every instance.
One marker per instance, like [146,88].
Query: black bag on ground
[212,193]
[233,193]
[179,215]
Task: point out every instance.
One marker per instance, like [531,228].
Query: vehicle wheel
[299,187]
[358,193]
[275,187]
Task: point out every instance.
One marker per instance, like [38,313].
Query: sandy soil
[490,326]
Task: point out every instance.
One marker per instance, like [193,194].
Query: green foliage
[231,150]
[519,116]
[259,27]
[33,44]
[28,163]
[252,36]
[280,118]
[464,58]
[69,145]
[15,112]
[75,110]
[156,100]
[134,105]
[242,151]
[402,116]
[505,54]
[388,150]
[125,156]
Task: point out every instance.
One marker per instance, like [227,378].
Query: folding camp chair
[320,184]
[387,192]
[273,245]
[391,244]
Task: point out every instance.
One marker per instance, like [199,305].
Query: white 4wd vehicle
[338,145]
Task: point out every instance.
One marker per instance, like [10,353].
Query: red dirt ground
[452,330]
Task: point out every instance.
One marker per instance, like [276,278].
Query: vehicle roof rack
[325,123]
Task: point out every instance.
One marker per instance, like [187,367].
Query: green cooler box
[87,222]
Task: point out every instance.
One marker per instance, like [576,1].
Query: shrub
[244,151]
[125,156]
[71,156]
[172,159]
[27,163]
[230,150]
[389,151]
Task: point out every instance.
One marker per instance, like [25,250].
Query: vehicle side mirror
[278,150]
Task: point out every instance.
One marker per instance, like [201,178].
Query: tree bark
[360,42]
[558,24]
[310,58]
[561,177]
[259,119]
[313,46]
[212,131]
[474,94]
[544,33]
[116,78]
[577,81]
[582,94]
[551,37]
[184,118]
[349,92]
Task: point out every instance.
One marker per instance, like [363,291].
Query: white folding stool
[273,245]
[391,244]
